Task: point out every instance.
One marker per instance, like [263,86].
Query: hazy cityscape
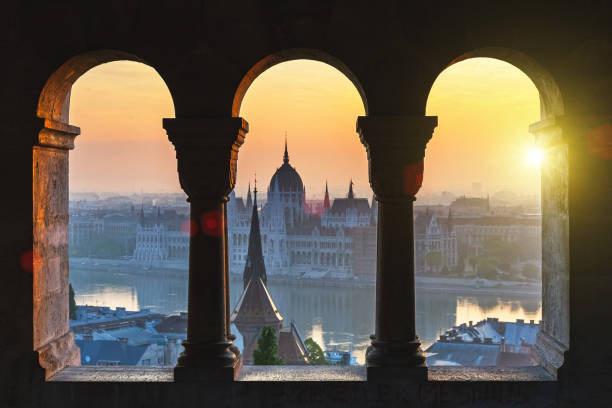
[302,221]
[477,257]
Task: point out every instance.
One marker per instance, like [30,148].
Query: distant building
[90,318]
[486,343]
[256,309]
[161,238]
[471,206]
[474,233]
[119,353]
[300,240]
[435,243]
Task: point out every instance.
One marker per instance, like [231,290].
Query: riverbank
[422,283]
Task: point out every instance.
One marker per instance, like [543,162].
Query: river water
[327,314]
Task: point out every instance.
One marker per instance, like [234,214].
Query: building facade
[298,240]
[435,243]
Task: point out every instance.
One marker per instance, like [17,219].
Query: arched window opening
[310,171]
[123,176]
[120,263]
[481,215]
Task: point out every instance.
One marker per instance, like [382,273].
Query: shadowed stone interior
[208,53]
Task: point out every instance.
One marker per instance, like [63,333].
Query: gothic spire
[286,155]
[326,204]
[351,195]
[254,267]
[142,217]
[249,201]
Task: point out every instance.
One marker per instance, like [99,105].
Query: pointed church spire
[254,267]
[249,201]
[286,155]
[326,204]
[142,217]
[351,195]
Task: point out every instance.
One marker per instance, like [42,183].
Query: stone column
[207,153]
[553,336]
[396,149]
[53,342]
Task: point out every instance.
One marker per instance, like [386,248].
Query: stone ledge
[114,374]
[302,374]
[495,374]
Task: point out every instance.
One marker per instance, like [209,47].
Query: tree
[267,349]
[434,260]
[71,303]
[315,353]
[487,268]
[531,271]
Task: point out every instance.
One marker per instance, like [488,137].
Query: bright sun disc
[535,156]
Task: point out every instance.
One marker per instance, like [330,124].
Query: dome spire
[254,192]
[286,155]
[351,195]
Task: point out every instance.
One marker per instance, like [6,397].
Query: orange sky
[484,108]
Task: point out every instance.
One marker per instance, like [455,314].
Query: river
[327,314]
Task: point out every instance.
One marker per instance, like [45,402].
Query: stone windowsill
[301,373]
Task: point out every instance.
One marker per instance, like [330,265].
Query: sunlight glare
[535,156]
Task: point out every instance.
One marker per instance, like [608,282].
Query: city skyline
[316,106]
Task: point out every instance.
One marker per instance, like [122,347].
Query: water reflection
[326,314]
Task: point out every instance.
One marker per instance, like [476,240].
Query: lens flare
[535,156]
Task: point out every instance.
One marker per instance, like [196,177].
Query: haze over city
[484,108]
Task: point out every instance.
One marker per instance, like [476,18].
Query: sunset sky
[484,108]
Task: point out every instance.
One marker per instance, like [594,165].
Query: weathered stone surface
[393,51]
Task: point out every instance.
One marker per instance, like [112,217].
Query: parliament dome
[287,177]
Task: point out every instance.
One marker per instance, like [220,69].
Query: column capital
[396,148]
[207,154]
[57,135]
[592,133]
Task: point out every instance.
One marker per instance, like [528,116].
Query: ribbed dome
[288,179]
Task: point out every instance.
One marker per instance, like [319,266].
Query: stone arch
[551,100]
[54,101]
[290,55]
[52,340]
[553,338]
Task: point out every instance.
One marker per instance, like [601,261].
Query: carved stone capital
[57,135]
[396,149]
[207,154]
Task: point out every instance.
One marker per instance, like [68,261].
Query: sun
[535,156]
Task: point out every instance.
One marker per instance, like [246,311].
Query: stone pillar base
[61,352]
[550,353]
[411,374]
[208,374]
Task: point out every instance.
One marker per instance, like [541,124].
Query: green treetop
[71,303]
[267,349]
[315,353]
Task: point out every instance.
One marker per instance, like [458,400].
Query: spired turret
[326,203]
[255,309]
[249,201]
[255,266]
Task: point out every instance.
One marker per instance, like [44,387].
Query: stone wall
[208,53]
